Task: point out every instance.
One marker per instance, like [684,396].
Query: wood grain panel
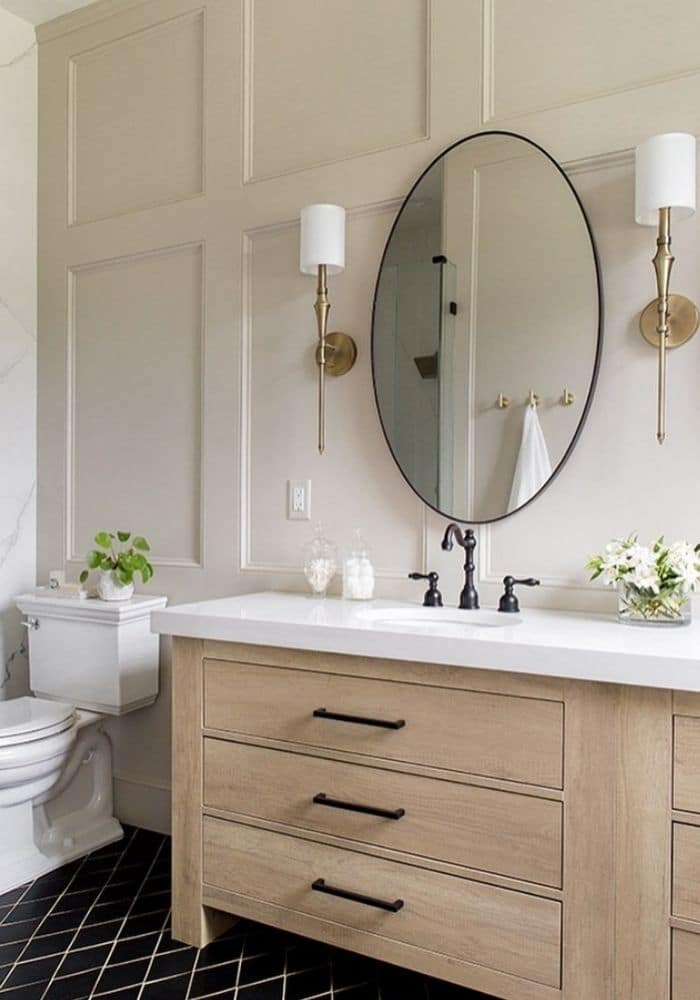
[514,835]
[686,871]
[136,121]
[520,739]
[500,929]
[686,764]
[642,859]
[193,923]
[686,966]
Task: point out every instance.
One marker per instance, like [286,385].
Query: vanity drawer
[685,965]
[686,871]
[686,763]
[511,932]
[503,832]
[501,736]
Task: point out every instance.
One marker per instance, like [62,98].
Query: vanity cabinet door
[686,966]
[515,835]
[511,932]
[499,736]
[686,873]
[686,763]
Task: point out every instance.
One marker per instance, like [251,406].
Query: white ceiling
[38,11]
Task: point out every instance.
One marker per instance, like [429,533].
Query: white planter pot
[109,587]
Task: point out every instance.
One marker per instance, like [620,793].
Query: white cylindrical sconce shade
[322,238]
[665,177]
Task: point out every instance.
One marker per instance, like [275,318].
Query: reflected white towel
[533,467]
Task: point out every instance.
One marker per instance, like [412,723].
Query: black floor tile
[311,983]
[166,989]
[54,923]
[13,896]
[35,991]
[172,963]
[78,900]
[215,979]
[10,953]
[38,971]
[97,934]
[220,951]
[273,989]
[50,944]
[76,987]
[21,931]
[133,948]
[84,959]
[116,976]
[262,967]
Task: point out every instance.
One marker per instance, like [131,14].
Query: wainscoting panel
[564,51]
[279,423]
[297,115]
[136,119]
[135,401]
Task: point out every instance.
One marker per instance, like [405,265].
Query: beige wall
[18,167]
[179,139]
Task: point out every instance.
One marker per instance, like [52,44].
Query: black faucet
[468,599]
[433,597]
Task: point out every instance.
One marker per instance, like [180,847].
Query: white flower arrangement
[655,580]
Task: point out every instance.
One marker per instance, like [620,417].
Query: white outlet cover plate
[299,499]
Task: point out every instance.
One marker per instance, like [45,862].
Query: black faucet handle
[432,597]
[509,602]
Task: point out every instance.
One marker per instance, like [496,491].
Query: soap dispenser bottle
[358,571]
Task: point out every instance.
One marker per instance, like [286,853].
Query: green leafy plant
[114,554]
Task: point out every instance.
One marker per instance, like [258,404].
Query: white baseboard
[142,802]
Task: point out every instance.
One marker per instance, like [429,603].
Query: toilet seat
[26,720]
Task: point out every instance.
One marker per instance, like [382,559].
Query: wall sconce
[665,180]
[322,252]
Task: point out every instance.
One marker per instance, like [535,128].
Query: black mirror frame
[599,343]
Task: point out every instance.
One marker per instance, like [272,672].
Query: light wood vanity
[528,836]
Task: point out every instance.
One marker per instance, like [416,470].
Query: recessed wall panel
[563,51]
[318,94]
[356,477]
[135,407]
[136,119]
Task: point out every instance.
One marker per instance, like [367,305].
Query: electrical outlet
[298,499]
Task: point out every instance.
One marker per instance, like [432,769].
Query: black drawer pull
[323,800]
[357,897]
[323,713]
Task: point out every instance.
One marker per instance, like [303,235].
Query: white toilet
[87,659]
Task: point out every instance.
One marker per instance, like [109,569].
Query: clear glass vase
[639,606]
[320,562]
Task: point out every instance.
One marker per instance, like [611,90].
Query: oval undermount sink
[434,618]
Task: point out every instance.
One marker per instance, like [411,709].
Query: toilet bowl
[44,745]
[87,660]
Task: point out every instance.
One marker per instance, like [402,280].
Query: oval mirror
[486,327]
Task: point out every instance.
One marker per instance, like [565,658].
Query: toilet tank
[98,655]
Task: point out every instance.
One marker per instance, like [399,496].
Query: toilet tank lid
[31,715]
[41,602]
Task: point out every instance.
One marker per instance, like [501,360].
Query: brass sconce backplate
[683,321]
[341,353]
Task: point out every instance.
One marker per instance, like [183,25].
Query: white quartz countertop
[577,645]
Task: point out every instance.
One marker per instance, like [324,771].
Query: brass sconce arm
[336,352]
[321,307]
[663,262]
[669,320]
[665,179]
